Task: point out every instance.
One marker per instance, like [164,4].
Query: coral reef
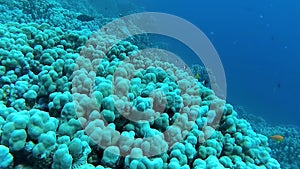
[74,99]
[51,12]
[290,144]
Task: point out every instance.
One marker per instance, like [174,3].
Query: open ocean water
[258,43]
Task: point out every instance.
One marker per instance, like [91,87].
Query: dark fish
[272,38]
[85,18]
[278,85]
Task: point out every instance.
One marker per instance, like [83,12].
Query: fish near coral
[85,18]
[277,137]
[197,76]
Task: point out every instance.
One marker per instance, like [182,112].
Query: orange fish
[277,137]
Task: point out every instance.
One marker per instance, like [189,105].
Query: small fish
[85,18]
[197,76]
[278,85]
[277,137]
[185,67]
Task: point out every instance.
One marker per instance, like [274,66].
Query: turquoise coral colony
[62,110]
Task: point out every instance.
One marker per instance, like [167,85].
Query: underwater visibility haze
[96,84]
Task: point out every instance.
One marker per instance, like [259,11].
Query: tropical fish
[197,76]
[85,18]
[277,137]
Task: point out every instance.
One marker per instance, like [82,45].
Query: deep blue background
[258,42]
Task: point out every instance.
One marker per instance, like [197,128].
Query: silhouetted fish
[85,18]
[278,85]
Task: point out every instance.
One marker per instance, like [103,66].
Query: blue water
[258,43]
